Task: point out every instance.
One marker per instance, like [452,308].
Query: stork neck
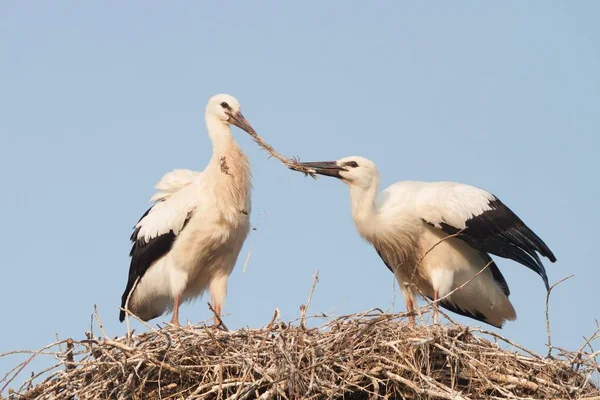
[362,201]
[220,135]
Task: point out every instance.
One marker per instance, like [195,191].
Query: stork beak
[327,168]
[238,120]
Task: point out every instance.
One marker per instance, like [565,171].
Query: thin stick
[312,289]
[24,364]
[100,323]
[147,325]
[70,364]
[304,307]
[246,262]
[549,344]
[587,342]
[127,305]
[275,315]
[217,316]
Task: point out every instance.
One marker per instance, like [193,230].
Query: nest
[363,356]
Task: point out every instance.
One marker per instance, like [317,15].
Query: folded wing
[157,229]
[480,219]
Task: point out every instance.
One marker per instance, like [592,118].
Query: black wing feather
[143,253]
[383,259]
[496,274]
[501,232]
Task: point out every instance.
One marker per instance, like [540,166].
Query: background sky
[98,100]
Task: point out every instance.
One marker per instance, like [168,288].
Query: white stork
[190,239]
[409,218]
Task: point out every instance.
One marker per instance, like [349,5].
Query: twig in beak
[293,164]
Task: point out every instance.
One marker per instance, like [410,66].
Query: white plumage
[171,182]
[190,239]
[409,218]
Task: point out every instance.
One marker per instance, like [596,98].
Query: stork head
[354,170]
[227,109]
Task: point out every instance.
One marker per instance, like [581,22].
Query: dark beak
[238,120]
[327,168]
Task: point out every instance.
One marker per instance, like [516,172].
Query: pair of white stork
[435,237]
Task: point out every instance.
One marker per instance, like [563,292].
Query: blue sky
[100,99]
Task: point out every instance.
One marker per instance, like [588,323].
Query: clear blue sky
[99,99]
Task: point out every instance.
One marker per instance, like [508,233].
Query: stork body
[190,239]
[409,223]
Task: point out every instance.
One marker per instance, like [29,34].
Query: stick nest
[362,356]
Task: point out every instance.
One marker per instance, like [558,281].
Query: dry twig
[549,333]
[293,163]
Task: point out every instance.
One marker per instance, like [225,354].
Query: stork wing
[157,229]
[173,181]
[484,222]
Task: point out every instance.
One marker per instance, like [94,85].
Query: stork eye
[351,164]
[225,106]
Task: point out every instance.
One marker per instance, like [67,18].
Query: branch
[218,317]
[549,344]
[304,307]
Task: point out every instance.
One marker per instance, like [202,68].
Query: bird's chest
[212,239]
[232,188]
[396,244]
[231,198]
[232,204]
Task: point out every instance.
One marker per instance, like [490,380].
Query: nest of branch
[363,356]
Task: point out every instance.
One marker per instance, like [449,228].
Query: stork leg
[217,319]
[411,310]
[218,292]
[436,295]
[175,318]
